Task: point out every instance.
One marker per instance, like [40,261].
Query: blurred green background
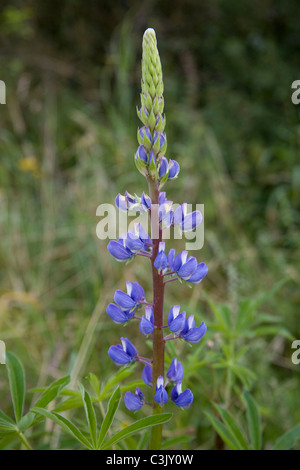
[67,139]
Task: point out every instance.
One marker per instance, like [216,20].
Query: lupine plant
[166,266]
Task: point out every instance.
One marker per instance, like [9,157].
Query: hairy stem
[158,305]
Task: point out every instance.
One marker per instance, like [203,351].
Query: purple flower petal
[199,274]
[175,371]
[118,355]
[124,300]
[134,402]
[118,315]
[187,269]
[182,399]
[118,251]
[135,290]
[147,375]
[174,169]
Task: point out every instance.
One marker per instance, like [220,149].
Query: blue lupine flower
[143,235]
[175,371]
[119,250]
[161,395]
[152,158]
[145,202]
[174,169]
[129,301]
[199,274]
[130,243]
[118,315]
[170,258]
[141,153]
[187,222]
[144,135]
[164,164]
[161,136]
[134,401]
[147,323]
[123,354]
[147,375]
[160,121]
[176,320]
[185,267]
[133,242]
[190,332]
[126,202]
[182,399]
[161,261]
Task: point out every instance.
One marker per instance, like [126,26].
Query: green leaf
[111,411]
[288,440]
[222,314]
[254,423]
[244,374]
[232,426]
[139,425]
[26,421]
[92,378]
[7,425]
[174,441]
[65,424]
[90,414]
[223,432]
[7,440]
[6,419]
[69,404]
[273,330]
[116,380]
[16,378]
[52,391]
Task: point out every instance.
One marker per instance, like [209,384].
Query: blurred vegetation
[67,140]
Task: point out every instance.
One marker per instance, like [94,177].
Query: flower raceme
[151,161]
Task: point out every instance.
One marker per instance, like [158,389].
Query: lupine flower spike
[153,163]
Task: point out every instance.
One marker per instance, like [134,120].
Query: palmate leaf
[16,378]
[139,425]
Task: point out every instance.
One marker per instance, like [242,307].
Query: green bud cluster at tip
[152,106]
[152,80]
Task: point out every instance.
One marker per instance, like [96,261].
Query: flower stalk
[151,162]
